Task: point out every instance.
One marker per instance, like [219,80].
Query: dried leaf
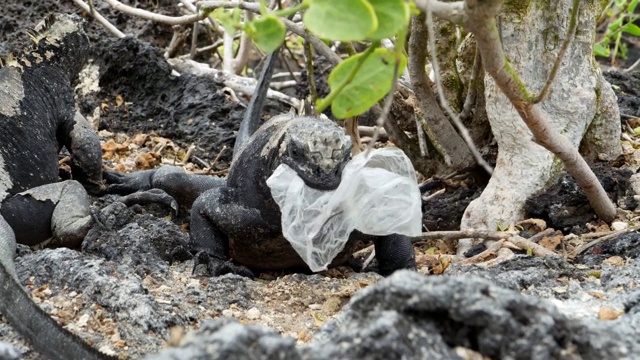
[607,313]
[615,261]
[533,225]
[551,242]
[119,100]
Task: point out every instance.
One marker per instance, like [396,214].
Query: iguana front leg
[83,144]
[394,252]
[216,215]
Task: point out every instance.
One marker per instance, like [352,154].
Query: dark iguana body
[38,118]
[242,221]
[239,219]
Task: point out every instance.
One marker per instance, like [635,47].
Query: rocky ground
[130,290]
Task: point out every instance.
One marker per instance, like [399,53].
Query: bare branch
[319,45]
[148,15]
[462,234]
[450,11]
[99,18]
[234,82]
[481,21]
[242,57]
[253,7]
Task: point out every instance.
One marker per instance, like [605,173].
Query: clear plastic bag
[378,195]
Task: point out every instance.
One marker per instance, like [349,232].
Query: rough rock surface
[415,317]
[564,206]
[186,108]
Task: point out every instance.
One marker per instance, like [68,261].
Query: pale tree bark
[532,34]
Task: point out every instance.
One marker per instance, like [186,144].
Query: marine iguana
[37,119]
[238,219]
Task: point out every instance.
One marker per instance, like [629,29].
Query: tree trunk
[532,33]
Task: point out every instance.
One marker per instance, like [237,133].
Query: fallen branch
[100,19]
[462,234]
[579,250]
[234,82]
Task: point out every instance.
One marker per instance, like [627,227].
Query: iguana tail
[47,336]
[251,119]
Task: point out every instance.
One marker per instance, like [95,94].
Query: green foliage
[363,79]
[342,20]
[267,32]
[370,83]
[621,19]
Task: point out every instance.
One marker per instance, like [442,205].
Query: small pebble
[619,225]
[253,314]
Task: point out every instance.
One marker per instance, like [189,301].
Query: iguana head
[48,37]
[317,150]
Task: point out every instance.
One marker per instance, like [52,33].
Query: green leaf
[372,82]
[267,32]
[342,20]
[230,20]
[392,15]
[632,29]
[632,6]
[602,50]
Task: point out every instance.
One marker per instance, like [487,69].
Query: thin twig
[100,19]
[388,101]
[579,250]
[573,25]
[242,57]
[443,100]
[311,77]
[539,236]
[368,131]
[463,234]
[215,161]
[148,15]
[194,40]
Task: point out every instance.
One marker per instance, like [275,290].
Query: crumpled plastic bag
[378,195]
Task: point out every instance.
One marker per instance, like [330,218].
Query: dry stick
[573,25]
[537,237]
[99,18]
[579,250]
[526,244]
[491,250]
[462,234]
[368,131]
[148,15]
[480,20]
[194,40]
[443,100]
[215,161]
[242,57]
